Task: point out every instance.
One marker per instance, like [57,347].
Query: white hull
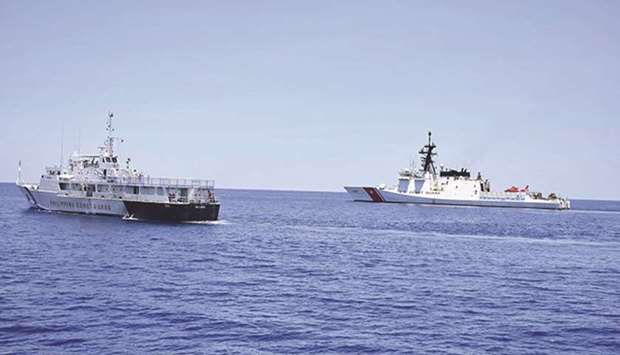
[56,201]
[98,184]
[373,194]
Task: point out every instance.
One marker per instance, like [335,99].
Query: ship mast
[109,142]
[427,156]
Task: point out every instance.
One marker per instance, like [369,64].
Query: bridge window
[132,190]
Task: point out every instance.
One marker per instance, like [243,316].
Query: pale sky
[316,95]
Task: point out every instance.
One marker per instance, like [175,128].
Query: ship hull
[172,212]
[373,194]
[57,202]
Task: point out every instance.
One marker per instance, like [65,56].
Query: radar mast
[427,155]
[109,142]
[108,148]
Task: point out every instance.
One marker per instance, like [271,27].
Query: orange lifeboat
[516,189]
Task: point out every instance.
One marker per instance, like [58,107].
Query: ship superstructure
[427,185]
[99,184]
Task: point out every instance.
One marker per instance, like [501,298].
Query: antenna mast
[427,156]
[62,142]
[79,140]
[109,143]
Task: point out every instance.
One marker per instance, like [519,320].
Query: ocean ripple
[293,272]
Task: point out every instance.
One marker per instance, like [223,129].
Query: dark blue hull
[173,212]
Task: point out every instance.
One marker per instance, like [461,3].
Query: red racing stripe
[374,194]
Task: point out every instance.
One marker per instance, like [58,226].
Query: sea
[312,272]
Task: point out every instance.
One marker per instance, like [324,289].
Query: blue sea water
[308,272]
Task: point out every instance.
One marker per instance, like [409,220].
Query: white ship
[98,184]
[426,185]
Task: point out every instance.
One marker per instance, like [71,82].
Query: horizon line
[328,191]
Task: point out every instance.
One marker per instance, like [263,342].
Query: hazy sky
[316,95]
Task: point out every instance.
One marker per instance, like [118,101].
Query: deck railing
[158,181]
[521,195]
[145,181]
